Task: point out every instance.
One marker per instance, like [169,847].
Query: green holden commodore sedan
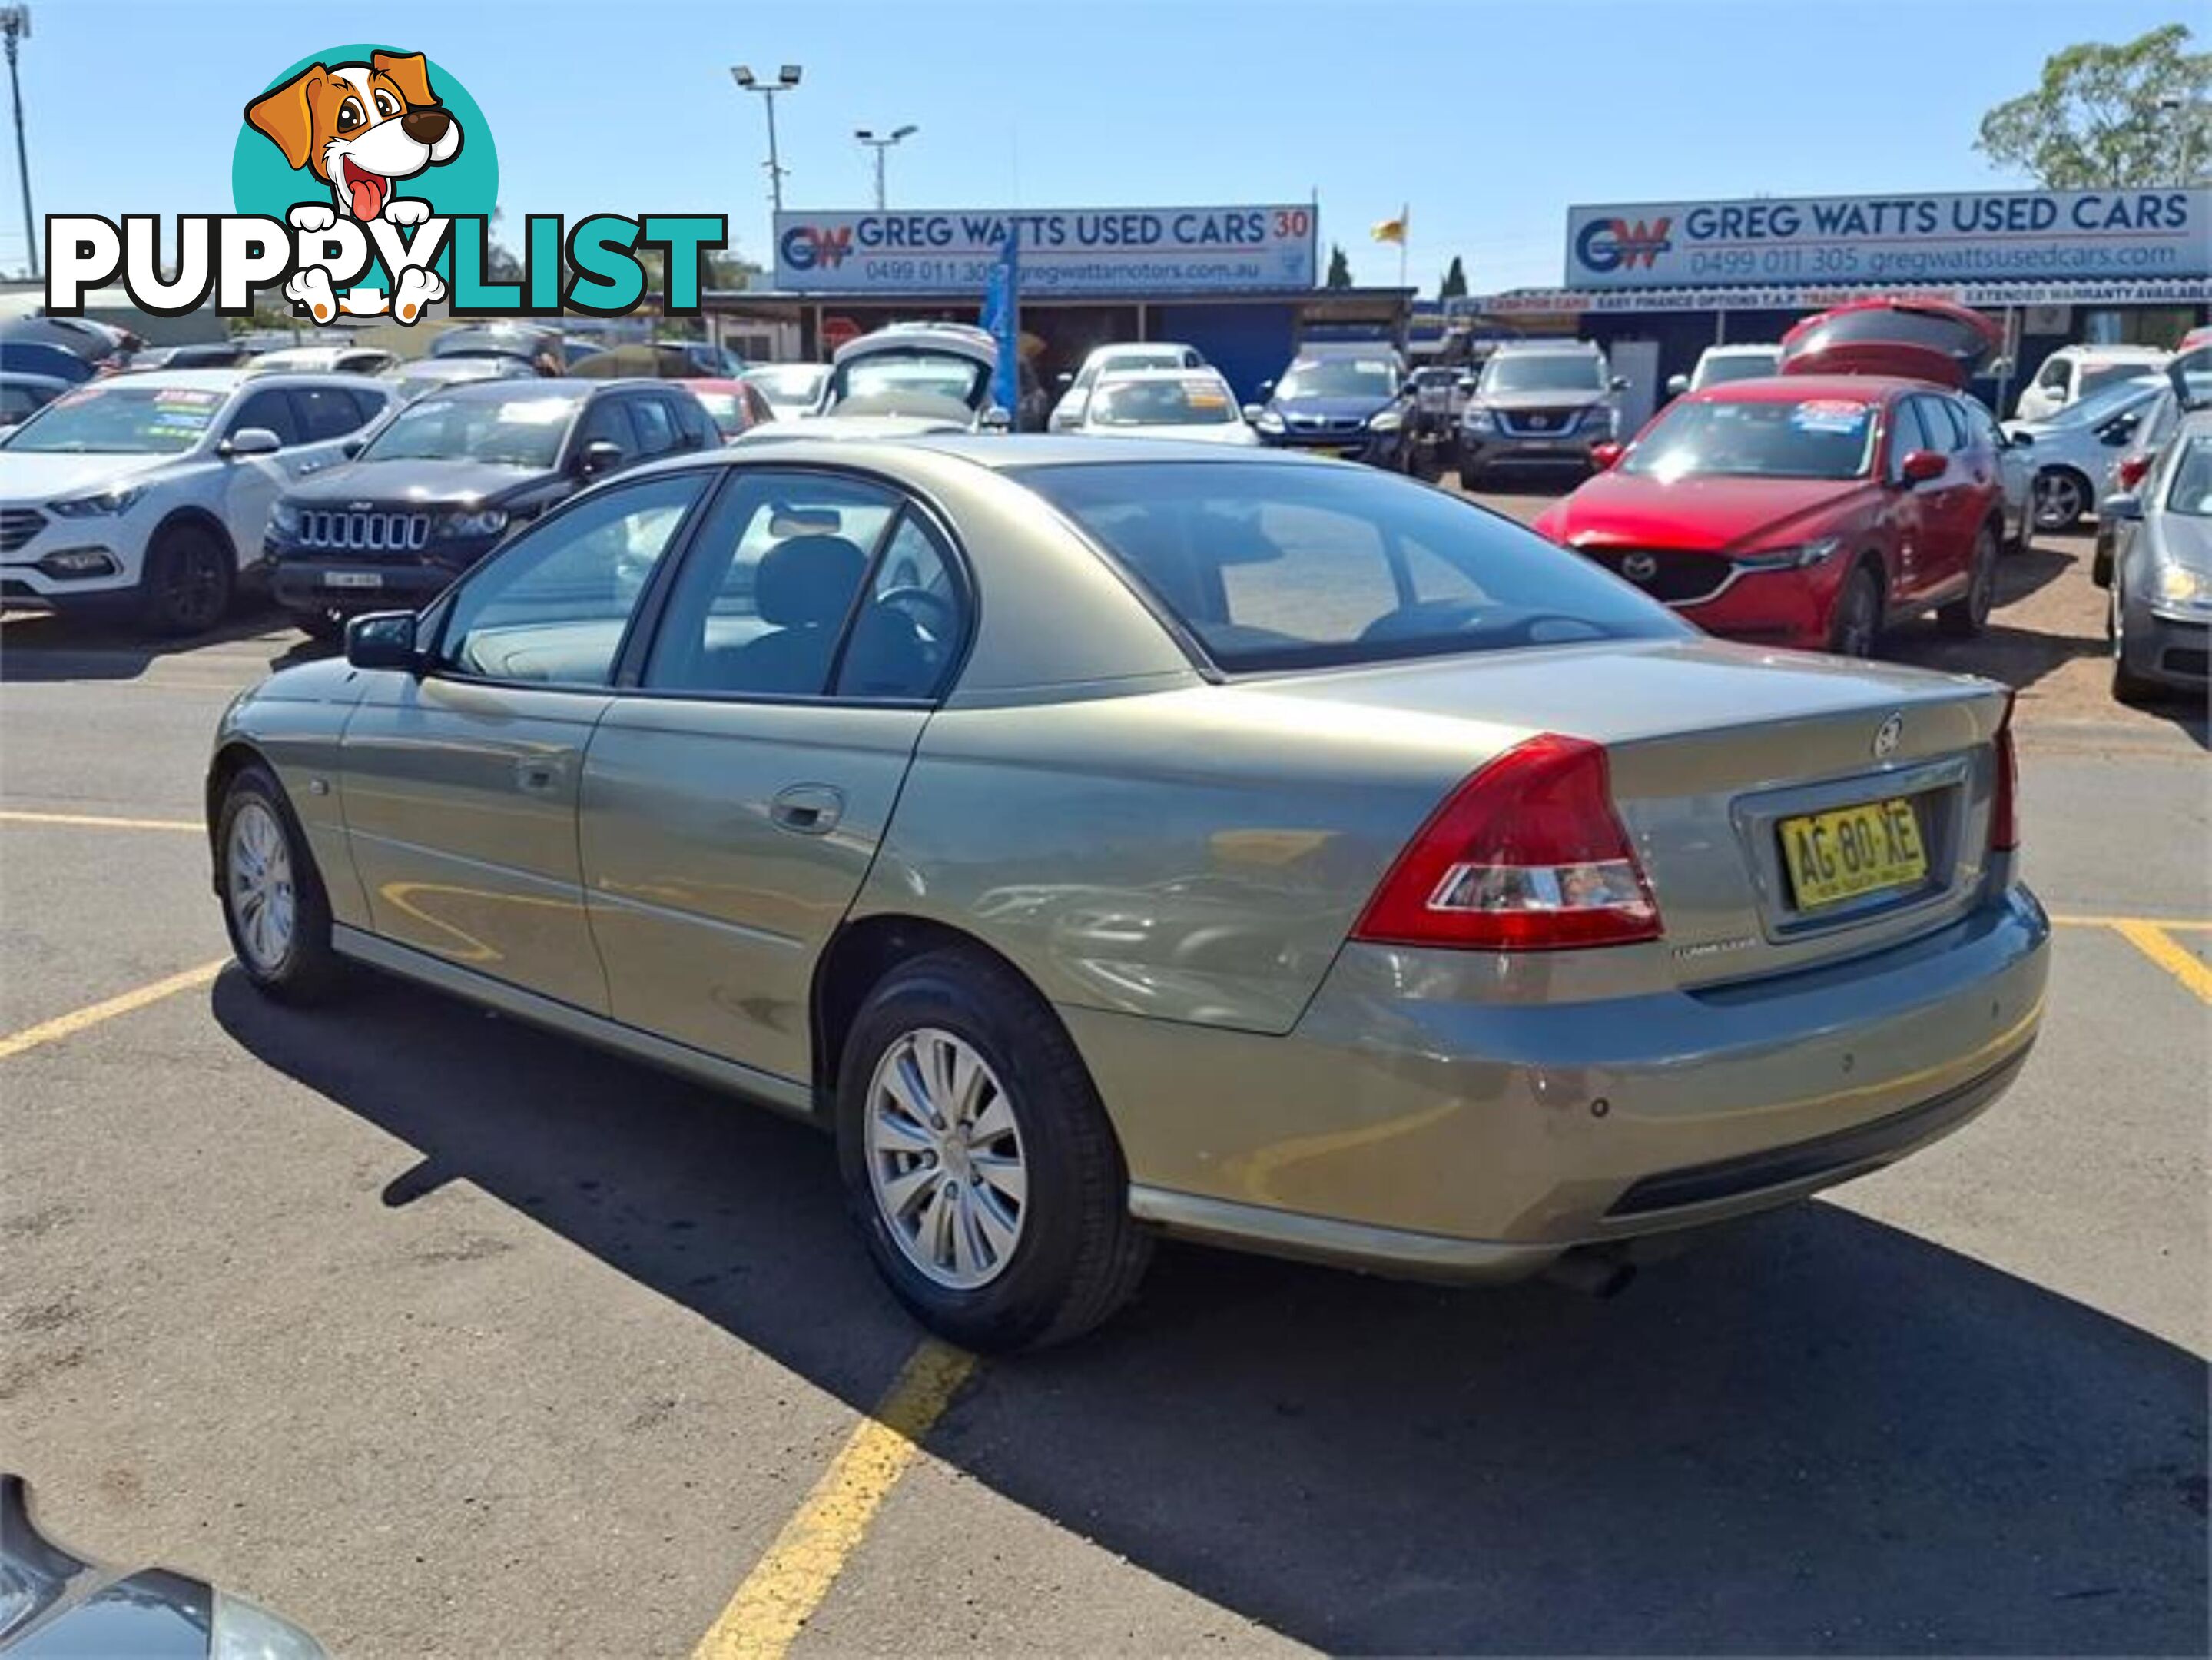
[1107,839]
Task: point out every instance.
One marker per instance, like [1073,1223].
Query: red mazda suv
[1811,509]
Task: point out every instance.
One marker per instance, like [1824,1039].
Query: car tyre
[187,585]
[274,905]
[2058,498]
[920,1171]
[2128,686]
[1855,625]
[1965,618]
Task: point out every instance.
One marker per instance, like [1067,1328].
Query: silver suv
[1539,403]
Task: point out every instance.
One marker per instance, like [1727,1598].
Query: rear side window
[656,431]
[1270,565]
[325,411]
[691,421]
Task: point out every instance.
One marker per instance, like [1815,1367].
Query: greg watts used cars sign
[1985,236]
[1062,251]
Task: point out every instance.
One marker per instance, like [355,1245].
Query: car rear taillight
[2004,813]
[1528,854]
[2131,470]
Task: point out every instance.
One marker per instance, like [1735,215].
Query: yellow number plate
[1835,856]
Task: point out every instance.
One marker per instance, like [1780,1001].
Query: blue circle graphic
[262,182]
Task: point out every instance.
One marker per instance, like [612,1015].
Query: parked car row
[1815,506]
[2158,569]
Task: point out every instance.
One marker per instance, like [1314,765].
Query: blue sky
[1487,119]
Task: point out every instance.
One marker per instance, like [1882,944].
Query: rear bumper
[1403,1129]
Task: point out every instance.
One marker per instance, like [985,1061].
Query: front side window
[110,418]
[1814,438]
[524,430]
[269,409]
[1275,566]
[2190,492]
[552,606]
[2053,378]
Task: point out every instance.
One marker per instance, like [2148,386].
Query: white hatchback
[150,494]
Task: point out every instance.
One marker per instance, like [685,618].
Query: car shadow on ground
[37,646]
[1815,1432]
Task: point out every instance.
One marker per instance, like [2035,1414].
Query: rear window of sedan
[1271,565]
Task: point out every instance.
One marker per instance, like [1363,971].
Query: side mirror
[600,455]
[2117,431]
[351,447]
[1605,456]
[1618,383]
[250,440]
[1063,379]
[1922,465]
[997,418]
[1466,383]
[1254,412]
[2020,440]
[1264,388]
[1677,385]
[1999,368]
[382,639]
[2125,506]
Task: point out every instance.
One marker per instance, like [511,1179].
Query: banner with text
[1064,251]
[2047,236]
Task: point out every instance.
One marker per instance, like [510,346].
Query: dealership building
[1237,282]
[1656,282]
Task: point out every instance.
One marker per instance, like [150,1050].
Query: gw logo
[805,246]
[1610,244]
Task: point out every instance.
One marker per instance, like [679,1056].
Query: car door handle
[807,809]
[539,774]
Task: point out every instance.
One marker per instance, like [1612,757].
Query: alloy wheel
[945,1159]
[259,886]
[1855,621]
[2058,502]
[191,586]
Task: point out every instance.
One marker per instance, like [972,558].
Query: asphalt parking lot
[446,1337]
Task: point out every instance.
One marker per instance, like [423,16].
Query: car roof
[1744,349]
[226,380]
[1798,388]
[1155,347]
[2086,349]
[1531,347]
[550,386]
[957,339]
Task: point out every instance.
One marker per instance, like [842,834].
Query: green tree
[2105,117]
[1455,283]
[1340,268]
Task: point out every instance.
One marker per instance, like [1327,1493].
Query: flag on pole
[1002,316]
[1393,230]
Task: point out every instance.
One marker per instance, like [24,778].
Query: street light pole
[879,144]
[786,78]
[15,26]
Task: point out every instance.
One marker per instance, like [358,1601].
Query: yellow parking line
[782,1594]
[2154,942]
[2188,924]
[67,1025]
[95,821]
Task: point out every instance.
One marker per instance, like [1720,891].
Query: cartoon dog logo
[360,128]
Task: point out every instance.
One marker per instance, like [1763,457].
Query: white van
[2072,371]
